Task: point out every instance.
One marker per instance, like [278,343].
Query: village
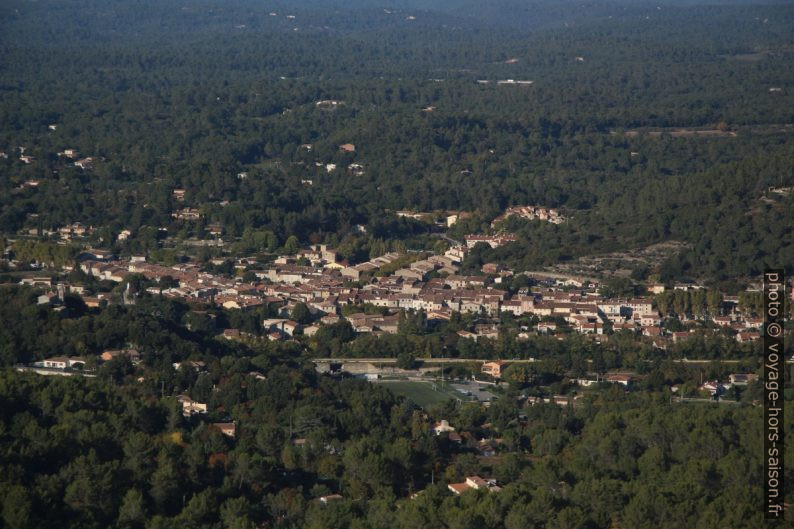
[315,277]
[372,295]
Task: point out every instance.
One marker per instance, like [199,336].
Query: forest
[183,98]
[115,449]
[152,127]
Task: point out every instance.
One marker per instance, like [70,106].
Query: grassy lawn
[422,393]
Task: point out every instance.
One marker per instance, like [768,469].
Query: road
[481,360]
[427,360]
[444,236]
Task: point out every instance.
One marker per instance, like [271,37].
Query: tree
[714,301]
[235,514]
[406,360]
[166,485]
[17,508]
[200,510]
[292,245]
[132,513]
[301,313]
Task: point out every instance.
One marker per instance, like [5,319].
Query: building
[474,483]
[61,362]
[330,497]
[226,428]
[624,380]
[190,407]
[495,368]
[741,379]
[132,354]
[494,241]
[442,426]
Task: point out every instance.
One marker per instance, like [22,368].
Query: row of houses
[432,284]
[530,213]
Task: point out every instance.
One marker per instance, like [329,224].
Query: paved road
[453,242]
[429,360]
[470,360]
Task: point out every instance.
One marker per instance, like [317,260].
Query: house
[650,320]
[49,298]
[743,337]
[493,241]
[486,450]
[712,386]
[92,302]
[651,331]
[611,308]
[494,368]
[491,268]
[62,362]
[190,407]
[467,335]
[216,230]
[273,324]
[226,428]
[330,497]
[640,306]
[85,163]
[58,362]
[195,365]
[290,327]
[624,380]
[442,426]
[457,253]
[96,255]
[347,147]
[231,334]
[474,483]
[311,330]
[187,214]
[132,354]
[741,379]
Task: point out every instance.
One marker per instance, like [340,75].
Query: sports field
[422,393]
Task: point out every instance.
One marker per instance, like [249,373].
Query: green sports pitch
[423,393]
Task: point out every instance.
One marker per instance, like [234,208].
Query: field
[422,393]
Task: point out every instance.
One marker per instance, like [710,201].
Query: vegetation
[217,129]
[116,450]
[233,91]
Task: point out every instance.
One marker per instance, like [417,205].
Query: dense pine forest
[166,95]
[116,451]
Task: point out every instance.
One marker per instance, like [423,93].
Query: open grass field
[422,393]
